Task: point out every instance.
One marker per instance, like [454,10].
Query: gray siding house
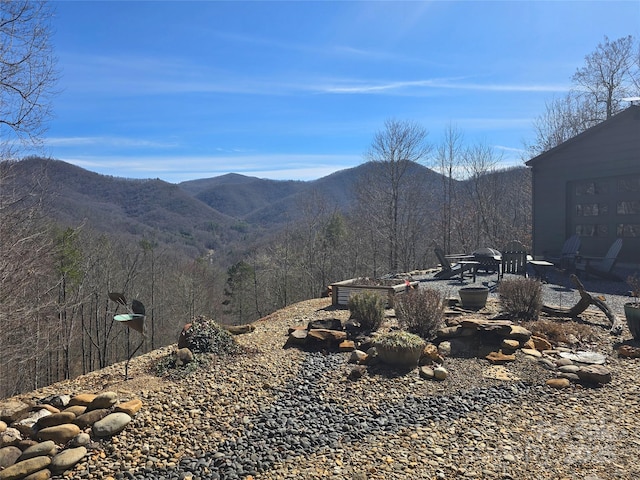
[590,185]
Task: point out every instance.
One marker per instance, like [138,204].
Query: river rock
[67,458]
[426,372]
[103,400]
[558,382]
[111,424]
[12,410]
[594,374]
[440,373]
[540,343]
[11,436]
[39,449]
[89,418]
[60,433]
[83,399]
[130,408]
[45,406]
[44,474]
[20,470]
[80,440]
[3,426]
[55,419]
[9,456]
[58,401]
[516,332]
[569,368]
[27,426]
[77,410]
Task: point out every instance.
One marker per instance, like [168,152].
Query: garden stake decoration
[134,319]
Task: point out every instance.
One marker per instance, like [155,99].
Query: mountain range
[198,216]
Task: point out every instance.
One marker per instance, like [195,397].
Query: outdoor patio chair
[600,266]
[566,259]
[448,269]
[514,258]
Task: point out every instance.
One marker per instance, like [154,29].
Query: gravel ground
[286,414]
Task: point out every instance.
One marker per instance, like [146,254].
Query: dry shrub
[562,332]
[421,312]
[368,309]
[521,298]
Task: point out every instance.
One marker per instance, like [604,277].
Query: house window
[591,188]
[628,207]
[628,230]
[629,184]
[591,209]
[592,230]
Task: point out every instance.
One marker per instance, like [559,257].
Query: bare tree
[393,153]
[449,160]
[610,74]
[27,72]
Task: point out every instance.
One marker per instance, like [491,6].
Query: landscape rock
[426,372]
[20,470]
[111,424]
[183,337]
[3,426]
[184,356]
[326,335]
[499,357]
[347,346]
[357,372]
[325,324]
[44,474]
[628,351]
[130,407]
[11,436]
[531,351]
[540,343]
[558,383]
[9,456]
[103,400]
[13,410]
[444,348]
[440,373]
[594,374]
[77,410]
[27,425]
[67,458]
[45,406]
[298,336]
[358,356]
[83,399]
[60,433]
[55,419]
[47,448]
[239,329]
[516,332]
[510,344]
[89,418]
[569,368]
[80,440]
[58,401]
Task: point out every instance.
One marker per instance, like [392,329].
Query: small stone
[499,357]
[83,399]
[59,433]
[540,344]
[130,408]
[440,373]
[569,376]
[531,351]
[558,382]
[509,458]
[358,356]
[43,448]
[444,348]
[594,374]
[347,346]
[10,436]
[103,400]
[3,426]
[546,363]
[80,440]
[562,362]
[12,410]
[55,419]
[91,417]
[438,451]
[184,356]
[67,458]
[569,368]
[111,424]
[426,372]
[9,455]
[26,467]
[510,344]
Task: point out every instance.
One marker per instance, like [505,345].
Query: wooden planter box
[341,291]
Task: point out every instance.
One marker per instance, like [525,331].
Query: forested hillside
[232,248]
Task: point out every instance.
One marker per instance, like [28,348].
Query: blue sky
[296,90]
